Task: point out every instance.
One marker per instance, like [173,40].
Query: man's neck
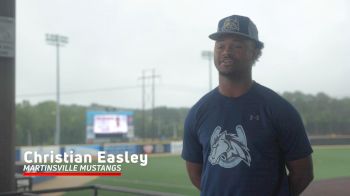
[234,88]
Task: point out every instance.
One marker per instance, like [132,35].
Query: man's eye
[219,47]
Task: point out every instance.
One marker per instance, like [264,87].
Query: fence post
[95,191]
[7,95]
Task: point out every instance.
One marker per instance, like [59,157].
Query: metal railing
[95,188]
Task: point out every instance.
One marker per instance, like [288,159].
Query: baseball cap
[237,25]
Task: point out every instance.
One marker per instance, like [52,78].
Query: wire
[172,87]
[79,91]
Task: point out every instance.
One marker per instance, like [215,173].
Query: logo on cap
[230,25]
[237,25]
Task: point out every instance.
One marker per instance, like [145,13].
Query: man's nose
[227,51]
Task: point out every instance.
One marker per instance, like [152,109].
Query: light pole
[57,40]
[208,55]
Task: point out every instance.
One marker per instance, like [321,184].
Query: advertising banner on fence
[40,150]
[176,147]
[83,149]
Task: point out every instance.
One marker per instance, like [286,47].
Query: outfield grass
[163,173]
[168,173]
[331,162]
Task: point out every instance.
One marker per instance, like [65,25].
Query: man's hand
[300,174]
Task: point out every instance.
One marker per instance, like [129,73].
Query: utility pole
[153,76]
[143,103]
[7,94]
[57,40]
[144,77]
[208,55]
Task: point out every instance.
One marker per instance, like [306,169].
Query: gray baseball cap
[237,25]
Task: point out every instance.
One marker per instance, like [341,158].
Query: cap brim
[218,36]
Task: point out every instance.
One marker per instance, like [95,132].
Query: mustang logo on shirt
[227,149]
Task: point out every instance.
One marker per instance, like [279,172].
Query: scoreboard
[105,125]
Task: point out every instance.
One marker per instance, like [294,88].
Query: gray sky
[112,41]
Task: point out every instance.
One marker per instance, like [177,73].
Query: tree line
[35,124]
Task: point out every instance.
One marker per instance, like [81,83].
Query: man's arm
[194,171]
[300,174]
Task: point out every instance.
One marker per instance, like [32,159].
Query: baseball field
[167,173]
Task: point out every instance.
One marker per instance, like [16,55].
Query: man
[240,137]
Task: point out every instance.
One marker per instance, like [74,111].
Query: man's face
[234,55]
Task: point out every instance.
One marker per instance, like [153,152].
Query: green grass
[168,173]
[331,162]
[162,173]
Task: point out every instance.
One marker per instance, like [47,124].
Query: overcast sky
[112,41]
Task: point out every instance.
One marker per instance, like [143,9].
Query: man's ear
[256,54]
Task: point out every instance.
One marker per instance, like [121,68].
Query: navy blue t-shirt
[243,143]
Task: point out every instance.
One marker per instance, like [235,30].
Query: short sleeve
[291,133]
[192,149]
